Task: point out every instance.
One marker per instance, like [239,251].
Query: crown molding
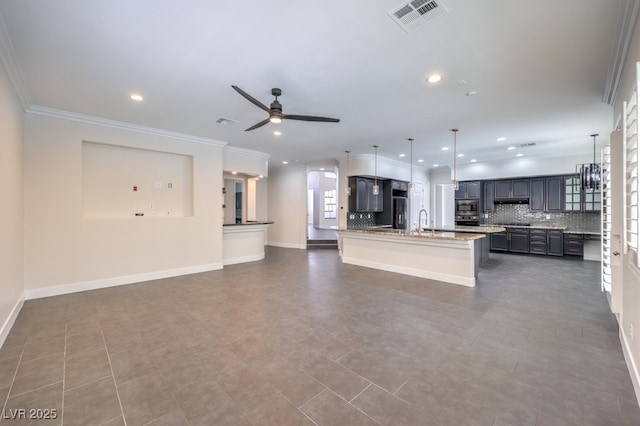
[9,62]
[98,121]
[245,151]
[626,24]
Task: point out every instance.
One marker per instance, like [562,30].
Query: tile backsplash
[516,213]
[361,220]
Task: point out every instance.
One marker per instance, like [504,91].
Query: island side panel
[442,260]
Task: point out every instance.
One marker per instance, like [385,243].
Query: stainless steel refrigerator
[400,206]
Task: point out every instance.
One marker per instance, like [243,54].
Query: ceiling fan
[275,110]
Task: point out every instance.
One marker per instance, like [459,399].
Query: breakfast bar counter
[452,257]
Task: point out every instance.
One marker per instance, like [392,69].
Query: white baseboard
[288,245]
[6,327]
[242,259]
[37,293]
[452,279]
[631,365]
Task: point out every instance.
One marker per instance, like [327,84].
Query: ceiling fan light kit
[275,110]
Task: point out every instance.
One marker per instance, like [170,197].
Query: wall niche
[123,182]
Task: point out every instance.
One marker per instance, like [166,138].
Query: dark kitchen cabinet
[537,240]
[468,189]
[489,194]
[546,241]
[555,242]
[546,194]
[577,199]
[500,241]
[517,189]
[573,244]
[362,198]
[513,239]
[519,240]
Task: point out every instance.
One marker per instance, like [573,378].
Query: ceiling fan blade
[310,118]
[260,124]
[251,98]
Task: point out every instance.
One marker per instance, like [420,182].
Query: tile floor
[300,339]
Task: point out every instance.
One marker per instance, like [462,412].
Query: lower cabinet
[513,240]
[573,245]
[546,241]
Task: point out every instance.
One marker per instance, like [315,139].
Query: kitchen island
[452,257]
[243,242]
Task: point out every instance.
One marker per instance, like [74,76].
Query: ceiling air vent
[413,14]
[527,145]
[225,121]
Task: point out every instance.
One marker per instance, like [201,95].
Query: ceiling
[538,70]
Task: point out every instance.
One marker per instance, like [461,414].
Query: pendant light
[348,186]
[454,179]
[410,164]
[590,174]
[376,188]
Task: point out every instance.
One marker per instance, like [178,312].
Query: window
[330,204]
[630,129]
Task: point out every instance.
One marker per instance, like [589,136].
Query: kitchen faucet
[419,221]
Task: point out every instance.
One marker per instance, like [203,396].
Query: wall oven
[467,212]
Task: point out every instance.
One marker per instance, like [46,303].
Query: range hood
[512,201]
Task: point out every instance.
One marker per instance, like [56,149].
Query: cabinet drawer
[573,250]
[537,247]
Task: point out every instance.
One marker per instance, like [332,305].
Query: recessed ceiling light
[519,155]
[473,160]
[322,169]
[511,148]
[460,155]
[402,155]
[136,97]
[260,176]
[285,162]
[501,139]
[277,132]
[436,165]
[434,78]
[472,93]
[234,173]
[420,160]
[445,148]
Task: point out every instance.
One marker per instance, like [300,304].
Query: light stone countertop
[438,235]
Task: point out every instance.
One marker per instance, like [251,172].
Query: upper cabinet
[511,189]
[468,190]
[362,197]
[578,199]
[489,194]
[546,194]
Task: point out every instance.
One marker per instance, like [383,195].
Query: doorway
[322,209]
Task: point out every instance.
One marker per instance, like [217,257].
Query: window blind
[630,128]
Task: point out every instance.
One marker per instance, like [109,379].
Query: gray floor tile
[86,367]
[329,409]
[145,399]
[229,346]
[92,404]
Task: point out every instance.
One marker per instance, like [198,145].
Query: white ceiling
[539,69]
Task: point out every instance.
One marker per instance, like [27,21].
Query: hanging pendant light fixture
[589,175]
[411,164]
[376,188]
[348,187]
[454,179]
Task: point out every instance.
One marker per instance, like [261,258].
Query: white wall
[11,205]
[64,250]
[246,161]
[287,200]
[522,167]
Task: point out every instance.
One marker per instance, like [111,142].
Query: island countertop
[428,235]
[257,222]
